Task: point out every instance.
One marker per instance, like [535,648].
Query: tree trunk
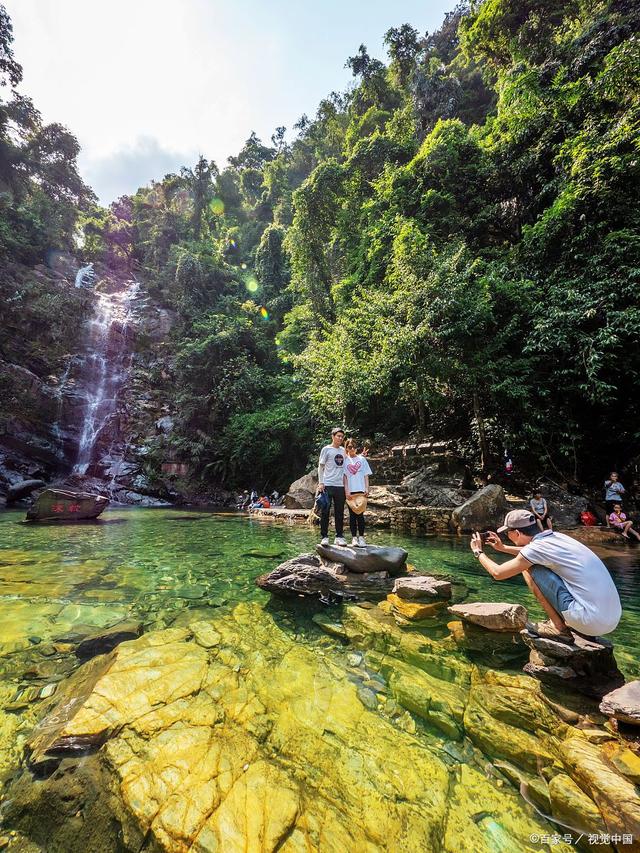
[422,417]
[482,436]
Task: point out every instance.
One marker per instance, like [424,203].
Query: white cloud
[125,169]
[152,80]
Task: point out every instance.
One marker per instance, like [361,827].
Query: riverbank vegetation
[450,248]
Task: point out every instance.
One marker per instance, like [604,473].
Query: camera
[484,537]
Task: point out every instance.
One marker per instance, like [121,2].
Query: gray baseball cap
[336,429]
[517,519]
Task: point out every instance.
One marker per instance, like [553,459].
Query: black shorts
[610,505]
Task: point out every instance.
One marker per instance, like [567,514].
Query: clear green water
[60,582]
[147,564]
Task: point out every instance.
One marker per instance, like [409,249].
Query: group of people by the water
[617,518]
[252,500]
[570,582]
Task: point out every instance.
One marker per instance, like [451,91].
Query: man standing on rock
[571,583]
[330,481]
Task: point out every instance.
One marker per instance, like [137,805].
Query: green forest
[449,249]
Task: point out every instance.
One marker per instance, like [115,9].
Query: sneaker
[548,631]
[324,540]
[362,542]
[339,540]
[355,542]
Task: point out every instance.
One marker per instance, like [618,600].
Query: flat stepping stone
[494,616]
[623,703]
[421,588]
[368,559]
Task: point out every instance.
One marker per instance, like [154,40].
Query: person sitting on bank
[540,509]
[356,490]
[613,492]
[570,582]
[330,481]
[621,524]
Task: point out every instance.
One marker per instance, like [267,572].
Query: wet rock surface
[23,489]
[232,735]
[493,616]
[588,666]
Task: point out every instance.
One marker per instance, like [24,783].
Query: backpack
[322,502]
[588,519]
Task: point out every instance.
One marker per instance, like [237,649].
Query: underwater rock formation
[233,735]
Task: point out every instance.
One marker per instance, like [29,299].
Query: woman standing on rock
[356,490]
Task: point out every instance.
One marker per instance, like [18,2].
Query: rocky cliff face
[90,411]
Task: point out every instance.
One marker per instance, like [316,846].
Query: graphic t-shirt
[333,459]
[615,490]
[356,469]
[596,609]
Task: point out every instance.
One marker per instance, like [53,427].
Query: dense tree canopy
[450,248]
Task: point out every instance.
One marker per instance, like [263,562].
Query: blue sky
[148,85]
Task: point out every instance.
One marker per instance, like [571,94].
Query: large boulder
[428,486]
[623,703]
[368,559]
[485,510]
[492,615]
[23,489]
[307,576]
[302,492]
[63,505]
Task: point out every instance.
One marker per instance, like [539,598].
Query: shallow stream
[61,582]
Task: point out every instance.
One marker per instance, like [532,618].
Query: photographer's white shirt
[596,608]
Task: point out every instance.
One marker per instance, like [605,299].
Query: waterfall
[104,369]
[85,276]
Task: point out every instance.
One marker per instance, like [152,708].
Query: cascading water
[103,369]
[86,276]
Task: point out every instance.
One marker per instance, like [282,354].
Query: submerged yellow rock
[415,609]
[232,736]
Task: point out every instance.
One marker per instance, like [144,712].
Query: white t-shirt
[596,609]
[333,459]
[356,469]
